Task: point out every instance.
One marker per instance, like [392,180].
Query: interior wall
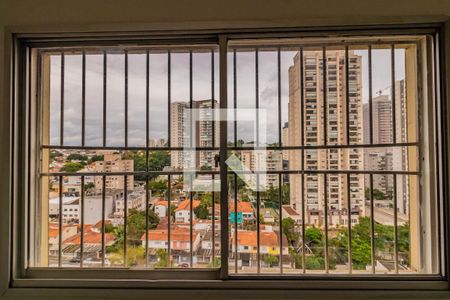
[97,15]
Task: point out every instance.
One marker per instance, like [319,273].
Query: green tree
[96,158]
[207,199]
[162,258]
[72,167]
[158,188]
[288,225]
[271,260]
[377,194]
[314,262]
[137,225]
[172,210]
[201,211]
[77,156]
[314,236]
[88,186]
[54,154]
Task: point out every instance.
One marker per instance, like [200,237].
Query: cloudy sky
[158,83]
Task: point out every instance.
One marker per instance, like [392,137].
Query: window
[334,139]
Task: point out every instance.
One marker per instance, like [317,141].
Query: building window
[338,149]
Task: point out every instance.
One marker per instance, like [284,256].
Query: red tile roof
[162,202]
[176,234]
[249,238]
[93,238]
[185,205]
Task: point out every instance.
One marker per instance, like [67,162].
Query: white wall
[96,15]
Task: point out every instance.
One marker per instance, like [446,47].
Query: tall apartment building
[388,158]
[269,160]
[111,163]
[180,134]
[313,129]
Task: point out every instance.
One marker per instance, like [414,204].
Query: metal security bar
[349,68]
[262,259]
[107,176]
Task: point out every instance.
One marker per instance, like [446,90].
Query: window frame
[24,64]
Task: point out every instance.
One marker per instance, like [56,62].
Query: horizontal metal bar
[129,148]
[375,172]
[128,173]
[306,147]
[290,45]
[130,273]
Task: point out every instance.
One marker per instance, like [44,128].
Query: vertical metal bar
[258,225]
[126,98]
[394,122]
[395,224]
[147,137]
[191,144]
[325,104]
[213,239]
[169,217]
[302,137]
[60,227]
[169,192]
[125,218]
[213,144]
[125,188]
[103,219]
[235,224]
[325,137]
[372,225]
[258,196]
[347,98]
[279,95]
[349,224]
[191,218]
[213,127]
[223,157]
[61,129]
[370,96]
[235,176]
[325,196]
[147,104]
[146,218]
[347,131]
[82,222]
[235,96]
[105,58]
[83,99]
[280,200]
[257,96]
[169,97]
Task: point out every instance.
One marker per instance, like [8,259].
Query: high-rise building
[268,160]
[113,163]
[388,158]
[315,129]
[180,133]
